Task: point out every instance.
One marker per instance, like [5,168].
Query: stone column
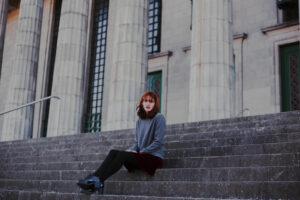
[211,59]
[21,90]
[128,63]
[3,17]
[65,115]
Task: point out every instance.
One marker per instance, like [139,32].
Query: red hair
[140,109]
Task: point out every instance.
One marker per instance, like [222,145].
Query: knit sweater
[150,136]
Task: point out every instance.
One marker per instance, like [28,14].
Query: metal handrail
[241,113]
[34,102]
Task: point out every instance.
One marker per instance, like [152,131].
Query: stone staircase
[255,157]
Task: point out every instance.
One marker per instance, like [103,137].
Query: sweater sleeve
[158,136]
[135,146]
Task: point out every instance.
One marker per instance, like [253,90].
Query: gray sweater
[150,136]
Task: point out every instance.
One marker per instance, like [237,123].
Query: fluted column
[65,115]
[211,58]
[18,124]
[129,62]
[3,17]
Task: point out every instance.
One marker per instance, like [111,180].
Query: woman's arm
[158,137]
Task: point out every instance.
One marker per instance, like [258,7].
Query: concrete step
[249,132]
[170,144]
[96,147]
[218,189]
[255,157]
[254,160]
[189,133]
[33,195]
[247,189]
[267,148]
[259,119]
[178,129]
[274,173]
[231,123]
[205,132]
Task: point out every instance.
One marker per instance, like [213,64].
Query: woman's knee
[125,155]
[120,155]
[113,151]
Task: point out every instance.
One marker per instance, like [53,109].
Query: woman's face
[148,103]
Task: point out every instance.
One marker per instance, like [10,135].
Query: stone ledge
[236,36]
[278,26]
[187,48]
[240,36]
[160,54]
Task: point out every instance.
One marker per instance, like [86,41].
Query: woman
[146,154]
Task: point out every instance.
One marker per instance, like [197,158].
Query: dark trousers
[113,162]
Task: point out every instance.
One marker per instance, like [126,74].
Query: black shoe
[91,184]
[89,191]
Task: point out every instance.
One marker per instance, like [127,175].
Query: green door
[154,84]
[290,77]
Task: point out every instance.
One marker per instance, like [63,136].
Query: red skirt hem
[147,162]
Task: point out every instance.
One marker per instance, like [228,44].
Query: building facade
[206,59]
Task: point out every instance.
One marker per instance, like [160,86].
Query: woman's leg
[114,162]
[109,158]
[92,181]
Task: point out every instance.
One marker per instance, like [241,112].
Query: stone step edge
[180,135]
[147,181]
[168,158]
[229,126]
[179,149]
[170,130]
[172,142]
[169,141]
[127,197]
[235,120]
[166,169]
[98,133]
[123,170]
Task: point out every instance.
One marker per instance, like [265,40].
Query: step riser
[235,133]
[235,150]
[102,146]
[29,195]
[283,190]
[185,135]
[214,174]
[217,190]
[72,155]
[237,126]
[227,174]
[204,162]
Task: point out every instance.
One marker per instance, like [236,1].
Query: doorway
[290,77]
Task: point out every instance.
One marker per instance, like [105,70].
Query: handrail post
[241,113]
